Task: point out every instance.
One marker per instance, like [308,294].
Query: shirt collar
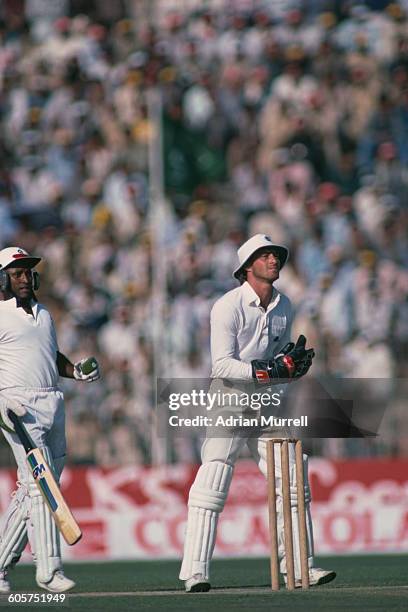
[251,297]
[12,303]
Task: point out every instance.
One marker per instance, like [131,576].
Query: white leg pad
[295,523]
[13,530]
[206,500]
[43,533]
[293,495]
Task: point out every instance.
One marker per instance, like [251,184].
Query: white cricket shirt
[241,330]
[28,347]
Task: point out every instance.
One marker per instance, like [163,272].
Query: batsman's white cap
[17,257]
[257,242]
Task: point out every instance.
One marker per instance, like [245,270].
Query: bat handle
[21,432]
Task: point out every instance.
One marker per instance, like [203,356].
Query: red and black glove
[292,362]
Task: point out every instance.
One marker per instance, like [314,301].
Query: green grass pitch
[364,583]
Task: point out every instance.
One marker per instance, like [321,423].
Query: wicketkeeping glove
[302,357]
[87,370]
[292,362]
[7,404]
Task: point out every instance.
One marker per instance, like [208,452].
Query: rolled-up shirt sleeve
[224,325]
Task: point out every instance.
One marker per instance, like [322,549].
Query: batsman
[30,367]
[250,341]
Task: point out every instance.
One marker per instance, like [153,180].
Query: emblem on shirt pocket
[278,327]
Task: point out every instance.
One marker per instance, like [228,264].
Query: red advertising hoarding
[135,512]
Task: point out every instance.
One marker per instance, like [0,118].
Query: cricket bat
[49,489]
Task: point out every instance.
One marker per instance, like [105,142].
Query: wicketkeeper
[30,366]
[250,341]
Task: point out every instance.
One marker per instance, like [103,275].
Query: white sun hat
[18,258]
[257,242]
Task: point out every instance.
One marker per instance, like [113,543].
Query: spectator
[278,120]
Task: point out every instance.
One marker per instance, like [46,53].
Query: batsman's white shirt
[29,375]
[241,330]
[28,347]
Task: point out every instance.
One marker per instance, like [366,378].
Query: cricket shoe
[58,583]
[317,576]
[197,584]
[4,583]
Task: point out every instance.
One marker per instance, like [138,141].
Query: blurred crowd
[291,122]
